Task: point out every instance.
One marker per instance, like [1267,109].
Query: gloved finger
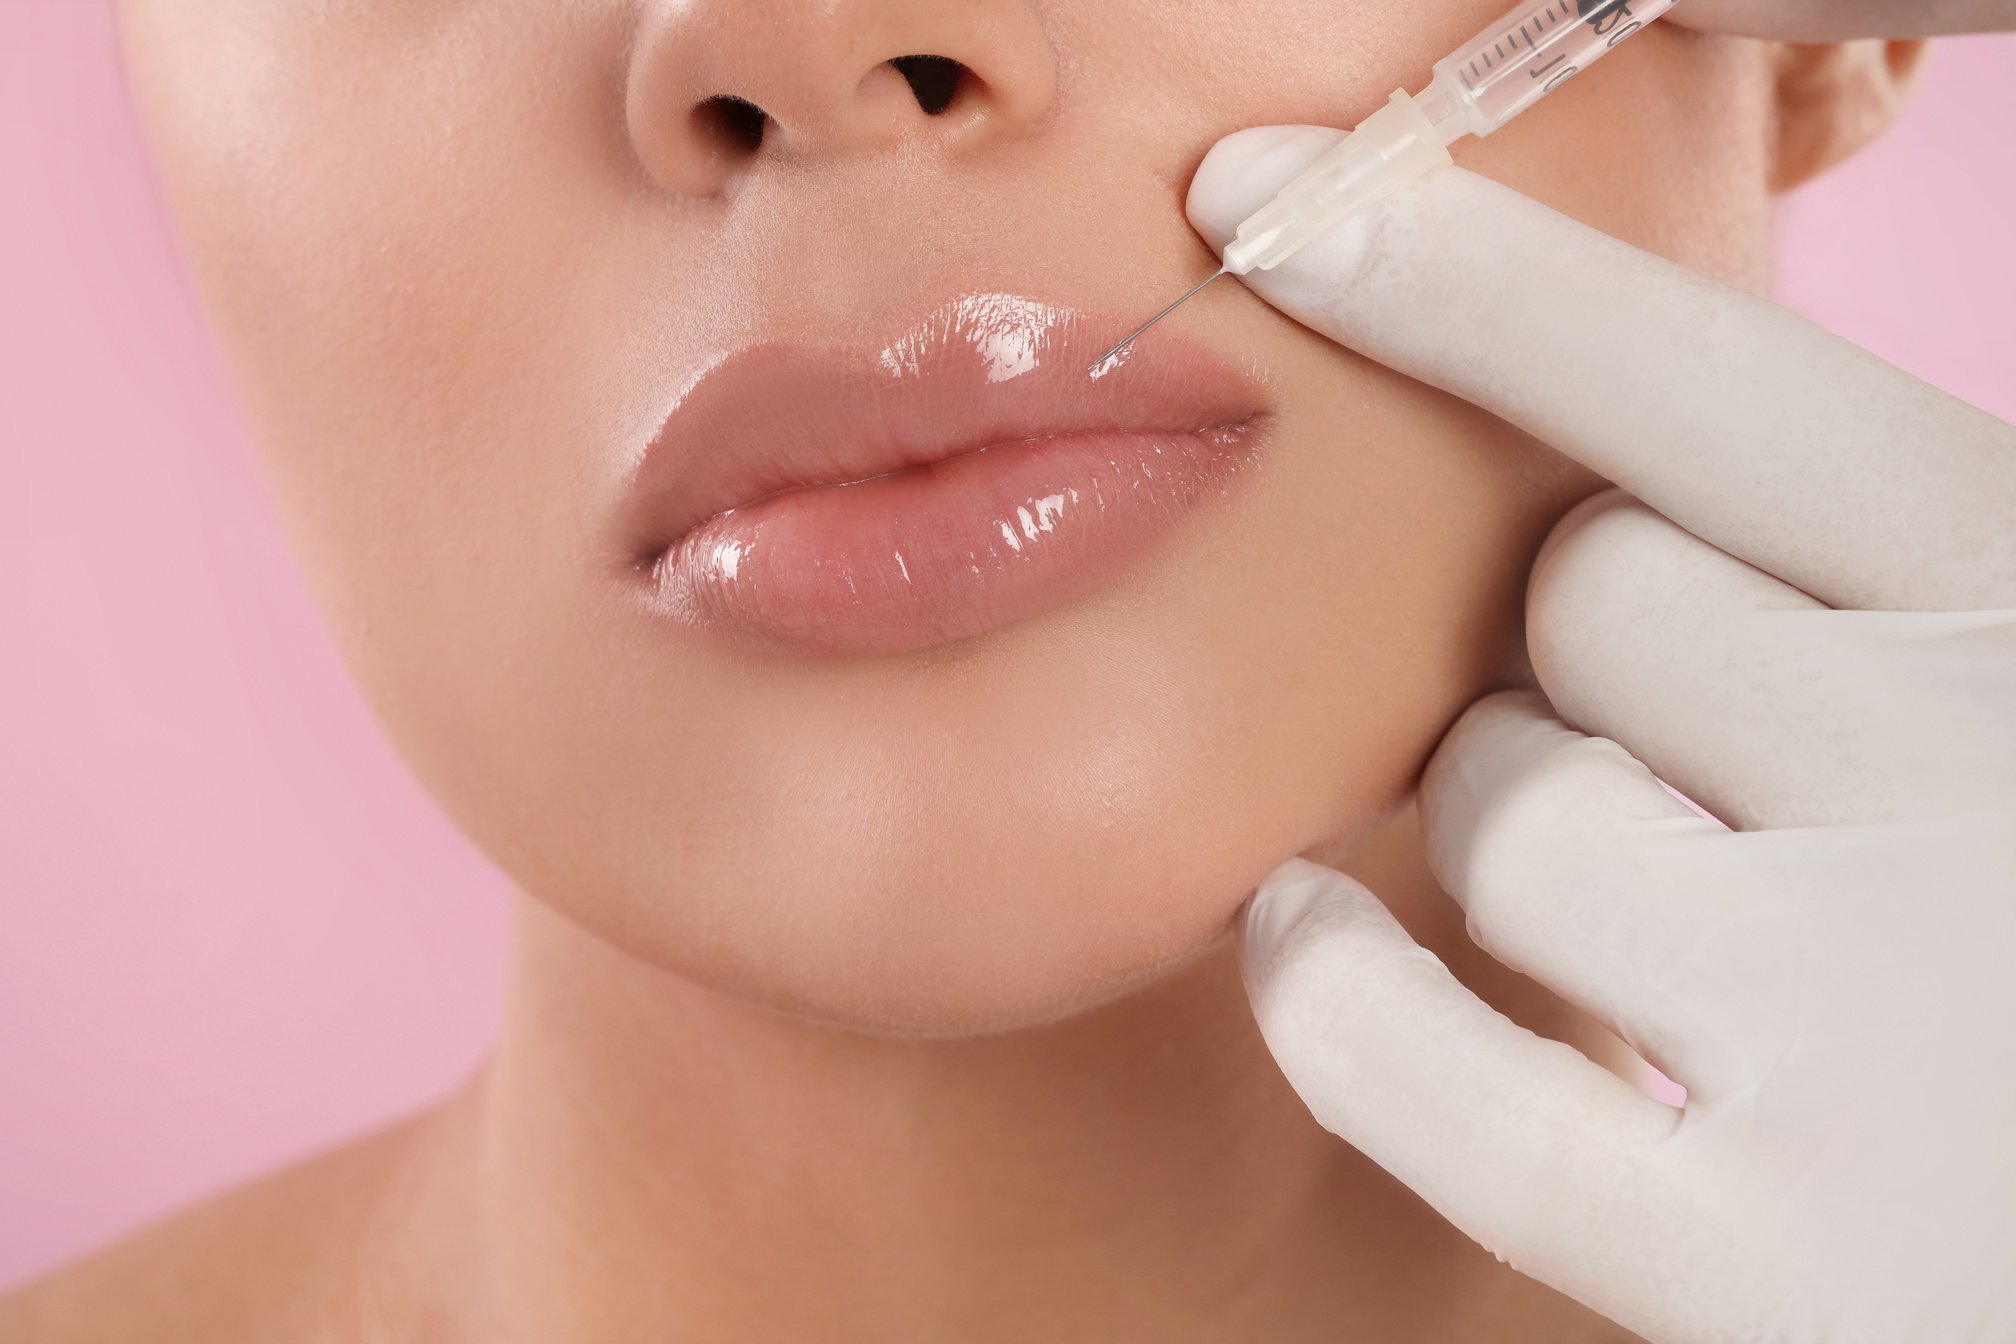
[1845,20]
[1747,425]
[1554,1164]
[1574,866]
[1751,698]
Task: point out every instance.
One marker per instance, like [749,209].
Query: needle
[1105,359]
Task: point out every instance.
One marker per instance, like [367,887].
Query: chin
[996,938]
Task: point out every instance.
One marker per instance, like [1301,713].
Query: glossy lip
[968,474]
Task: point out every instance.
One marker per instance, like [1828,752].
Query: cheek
[1665,145]
[389,240]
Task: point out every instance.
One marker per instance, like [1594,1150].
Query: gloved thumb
[1243,172]
[1425,280]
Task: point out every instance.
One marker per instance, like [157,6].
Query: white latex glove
[1806,627]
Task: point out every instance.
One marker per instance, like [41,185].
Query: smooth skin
[872,1000]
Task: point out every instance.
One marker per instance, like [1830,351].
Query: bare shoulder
[272,1260]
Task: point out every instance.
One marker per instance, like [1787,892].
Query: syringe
[1483,84]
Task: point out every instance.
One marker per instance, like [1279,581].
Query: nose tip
[719,87]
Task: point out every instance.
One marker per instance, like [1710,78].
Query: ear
[1835,98]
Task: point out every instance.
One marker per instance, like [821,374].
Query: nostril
[733,128]
[726,121]
[936,81]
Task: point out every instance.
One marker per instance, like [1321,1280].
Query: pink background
[231,929]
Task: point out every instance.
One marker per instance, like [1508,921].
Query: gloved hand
[1806,626]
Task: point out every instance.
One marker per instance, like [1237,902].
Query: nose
[716,86]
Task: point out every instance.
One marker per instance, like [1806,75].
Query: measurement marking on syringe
[1533,27]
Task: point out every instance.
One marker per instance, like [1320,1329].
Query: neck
[643,1158]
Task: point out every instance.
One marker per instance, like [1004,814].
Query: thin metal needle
[1105,359]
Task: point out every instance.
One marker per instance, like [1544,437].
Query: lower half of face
[464,278]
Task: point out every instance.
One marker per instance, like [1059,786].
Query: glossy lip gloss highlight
[966,475]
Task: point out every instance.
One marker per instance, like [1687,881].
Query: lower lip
[944,552]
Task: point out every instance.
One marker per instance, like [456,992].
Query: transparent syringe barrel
[1531,52]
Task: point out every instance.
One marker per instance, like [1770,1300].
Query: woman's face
[471,257]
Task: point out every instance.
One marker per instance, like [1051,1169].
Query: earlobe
[1835,98]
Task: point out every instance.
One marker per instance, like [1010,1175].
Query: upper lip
[984,370]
